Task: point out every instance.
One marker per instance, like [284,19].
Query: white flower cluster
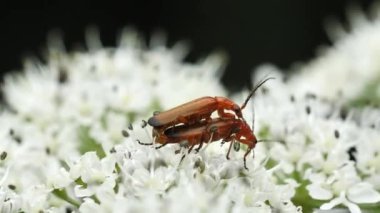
[350,69]
[333,156]
[63,149]
[328,121]
[69,131]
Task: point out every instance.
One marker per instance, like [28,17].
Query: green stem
[61,193]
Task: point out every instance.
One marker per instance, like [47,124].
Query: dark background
[251,32]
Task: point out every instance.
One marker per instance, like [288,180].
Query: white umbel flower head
[73,132]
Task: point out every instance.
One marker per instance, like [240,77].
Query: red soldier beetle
[229,130]
[197,110]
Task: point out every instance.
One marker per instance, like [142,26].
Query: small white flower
[341,200]
[59,179]
[158,180]
[345,184]
[108,131]
[35,198]
[94,173]
[89,206]
[9,201]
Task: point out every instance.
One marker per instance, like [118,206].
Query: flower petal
[89,206]
[319,193]
[352,207]
[80,191]
[363,193]
[331,204]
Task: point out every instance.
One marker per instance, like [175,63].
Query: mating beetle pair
[192,122]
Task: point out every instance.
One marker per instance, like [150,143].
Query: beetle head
[247,133]
[236,108]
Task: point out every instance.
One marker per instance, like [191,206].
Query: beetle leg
[229,149]
[245,157]
[199,147]
[156,134]
[145,144]
[193,142]
[183,157]
[227,139]
[191,148]
[188,152]
[160,146]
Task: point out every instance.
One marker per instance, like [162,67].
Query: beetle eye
[237,110]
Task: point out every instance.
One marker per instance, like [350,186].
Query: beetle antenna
[269,140]
[254,90]
[253,118]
